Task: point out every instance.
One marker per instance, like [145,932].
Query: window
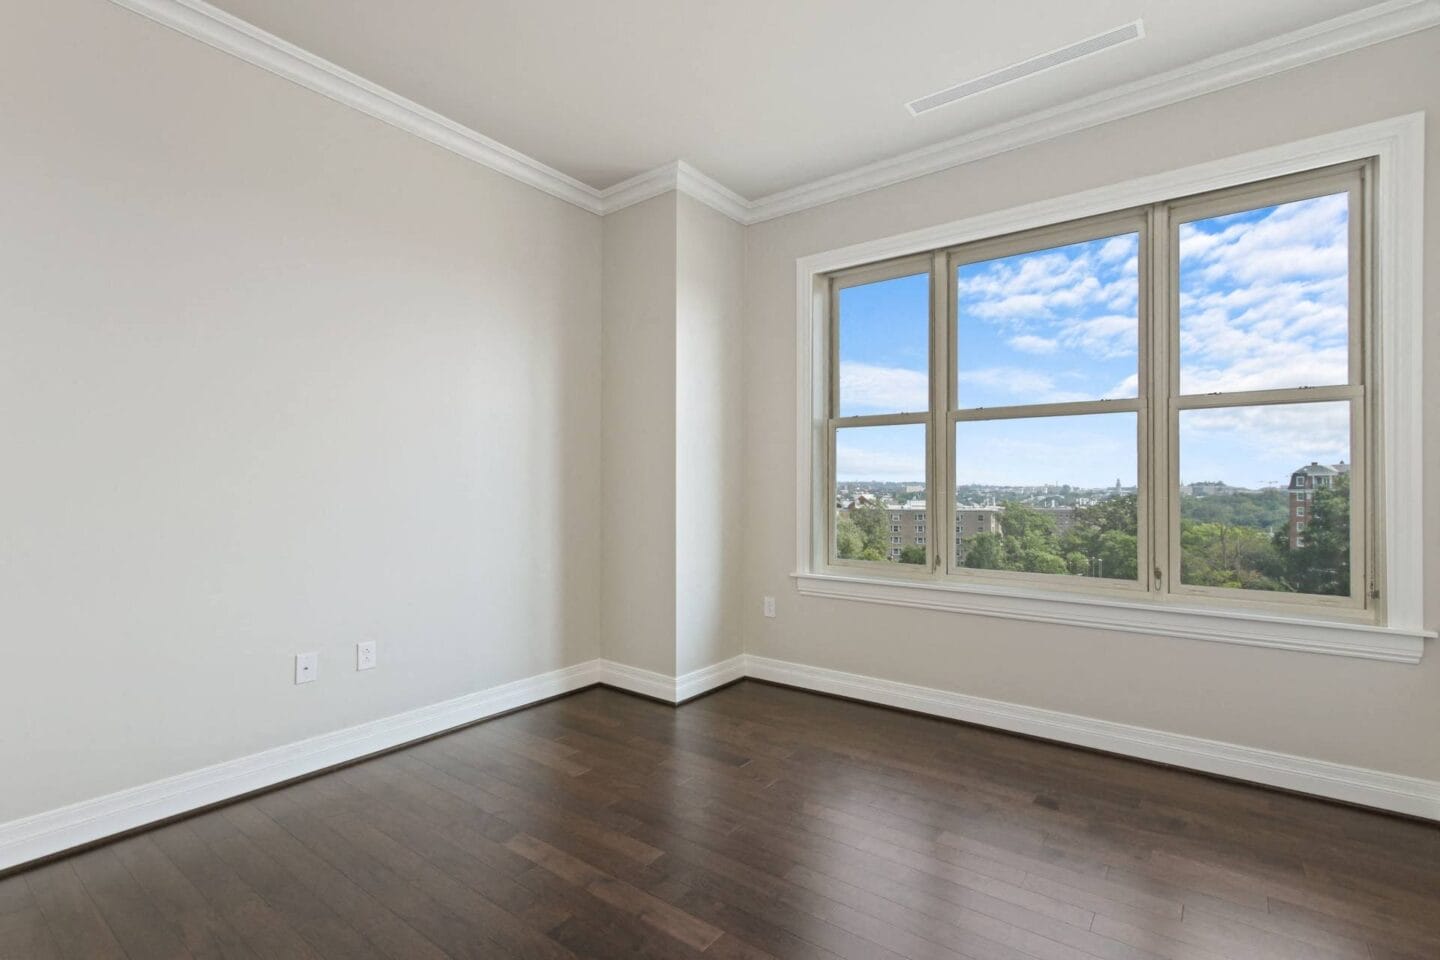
[1133,399]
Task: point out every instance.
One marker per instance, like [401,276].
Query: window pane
[885,346]
[1051,326]
[1048,495]
[1265,498]
[1264,298]
[880,510]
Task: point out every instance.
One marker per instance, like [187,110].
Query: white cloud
[1051,297]
[1029,343]
[1118,248]
[1129,387]
[1105,337]
[868,388]
[1304,238]
[1016,384]
[1264,303]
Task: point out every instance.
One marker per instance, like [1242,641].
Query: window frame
[1048,237]
[1396,259]
[860,276]
[1355,179]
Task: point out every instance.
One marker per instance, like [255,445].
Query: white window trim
[1399,146]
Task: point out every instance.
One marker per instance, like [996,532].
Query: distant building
[1303,484]
[905,522]
[1213,488]
[1064,517]
[908,524]
[970,522]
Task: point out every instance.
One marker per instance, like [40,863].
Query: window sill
[1248,628]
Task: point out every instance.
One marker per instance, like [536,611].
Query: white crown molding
[1372,788]
[230,34]
[639,188]
[215,27]
[711,192]
[682,178]
[1385,21]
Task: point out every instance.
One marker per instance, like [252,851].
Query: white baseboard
[672,689]
[1371,788]
[692,684]
[53,831]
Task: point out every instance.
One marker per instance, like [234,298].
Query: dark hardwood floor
[756,822]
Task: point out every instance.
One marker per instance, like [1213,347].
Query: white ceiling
[762,95]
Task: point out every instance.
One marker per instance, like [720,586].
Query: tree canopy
[1239,541]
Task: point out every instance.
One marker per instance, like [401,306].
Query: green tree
[849,541]
[1322,565]
[985,551]
[861,535]
[1260,509]
[1222,555]
[913,554]
[1026,542]
[1102,540]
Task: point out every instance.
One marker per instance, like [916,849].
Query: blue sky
[1263,304]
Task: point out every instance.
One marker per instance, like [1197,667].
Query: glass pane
[1265,498]
[885,347]
[1048,495]
[880,510]
[1265,298]
[1051,326]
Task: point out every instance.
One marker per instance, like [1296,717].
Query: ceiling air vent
[1028,68]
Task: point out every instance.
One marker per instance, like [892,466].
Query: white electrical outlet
[307,667]
[365,655]
[769,605]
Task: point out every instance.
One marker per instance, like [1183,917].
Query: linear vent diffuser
[1028,68]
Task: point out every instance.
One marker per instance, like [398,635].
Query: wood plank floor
[756,822]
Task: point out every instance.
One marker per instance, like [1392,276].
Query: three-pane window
[1146,401]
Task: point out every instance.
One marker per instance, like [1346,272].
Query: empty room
[823,480]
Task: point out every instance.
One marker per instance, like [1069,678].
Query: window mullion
[1160,364]
[941,493]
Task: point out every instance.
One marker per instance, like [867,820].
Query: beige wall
[638,359]
[709,407]
[277,377]
[1369,714]
[673,276]
[274,377]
